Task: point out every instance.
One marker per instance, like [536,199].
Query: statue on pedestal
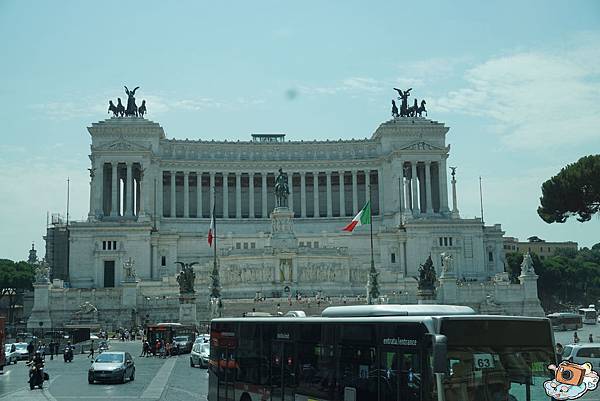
[186,278]
[446,264]
[427,276]
[281,189]
[42,272]
[129,270]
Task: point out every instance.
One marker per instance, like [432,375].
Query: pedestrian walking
[575,338]
[30,350]
[51,346]
[144,349]
[591,338]
[91,350]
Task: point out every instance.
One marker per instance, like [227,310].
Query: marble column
[199,194]
[212,194]
[114,194]
[99,190]
[414,184]
[342,189]
[264,195]
[251,195]
[316,193]
[354,192]
[400,182]
[428,187]
[173,194]
[186,194]
[291,194]
[225,195]
[159,197]
[329,193]
[238,195]
[128,199]
[302,194]
[455,213]
[368,187]
[443,183]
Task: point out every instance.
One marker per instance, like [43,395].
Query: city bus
[565,321]
[381,352]
[589,314]
[168,331]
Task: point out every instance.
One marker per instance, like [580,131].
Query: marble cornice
[270,166]
[280,152]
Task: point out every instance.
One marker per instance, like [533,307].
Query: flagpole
[371,273]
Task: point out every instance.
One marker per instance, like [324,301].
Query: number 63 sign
[483,361]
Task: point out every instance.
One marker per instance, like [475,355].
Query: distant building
[537,245]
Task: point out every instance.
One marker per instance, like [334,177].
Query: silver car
[200,355]
[112,366]
[582,353]
[11,354]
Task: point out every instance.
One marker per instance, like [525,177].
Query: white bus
[565,321]
[589,314]
[381,353]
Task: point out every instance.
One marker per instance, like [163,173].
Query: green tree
[513,266]
[15,279]
[575,190]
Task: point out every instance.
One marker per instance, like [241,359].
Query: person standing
[30,349]
[91,350]
[575,338]
[51,350]
[559,352]
[591,338]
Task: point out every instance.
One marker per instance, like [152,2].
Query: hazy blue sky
[518,82]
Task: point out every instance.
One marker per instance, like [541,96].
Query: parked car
[11,354]
[184,342]
[581,353]
[112,366]
[21,349]
[200,355]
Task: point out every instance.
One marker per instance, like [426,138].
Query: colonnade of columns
[117,189]
[423,187]
[250,195]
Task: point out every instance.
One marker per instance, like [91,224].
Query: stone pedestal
[129,294]
[187,309]
[448,290]
[40,313]
[282,229]
[426,297]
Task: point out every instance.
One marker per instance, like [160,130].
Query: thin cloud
[351,85]
[156,105]
[537,99]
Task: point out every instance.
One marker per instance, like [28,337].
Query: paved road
[169,379]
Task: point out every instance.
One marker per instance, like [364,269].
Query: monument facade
[280,206]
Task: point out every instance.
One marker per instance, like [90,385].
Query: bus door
[283,373]
[226,369]
[399,375]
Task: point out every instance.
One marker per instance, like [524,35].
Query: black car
[112,366]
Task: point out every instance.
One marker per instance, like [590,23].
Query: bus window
[316,364]
[358,369]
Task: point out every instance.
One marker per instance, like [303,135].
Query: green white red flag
[363,217]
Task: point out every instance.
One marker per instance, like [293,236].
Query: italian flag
[211,229]
[363,217]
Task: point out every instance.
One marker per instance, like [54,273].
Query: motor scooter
[37,376]
[68,354]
